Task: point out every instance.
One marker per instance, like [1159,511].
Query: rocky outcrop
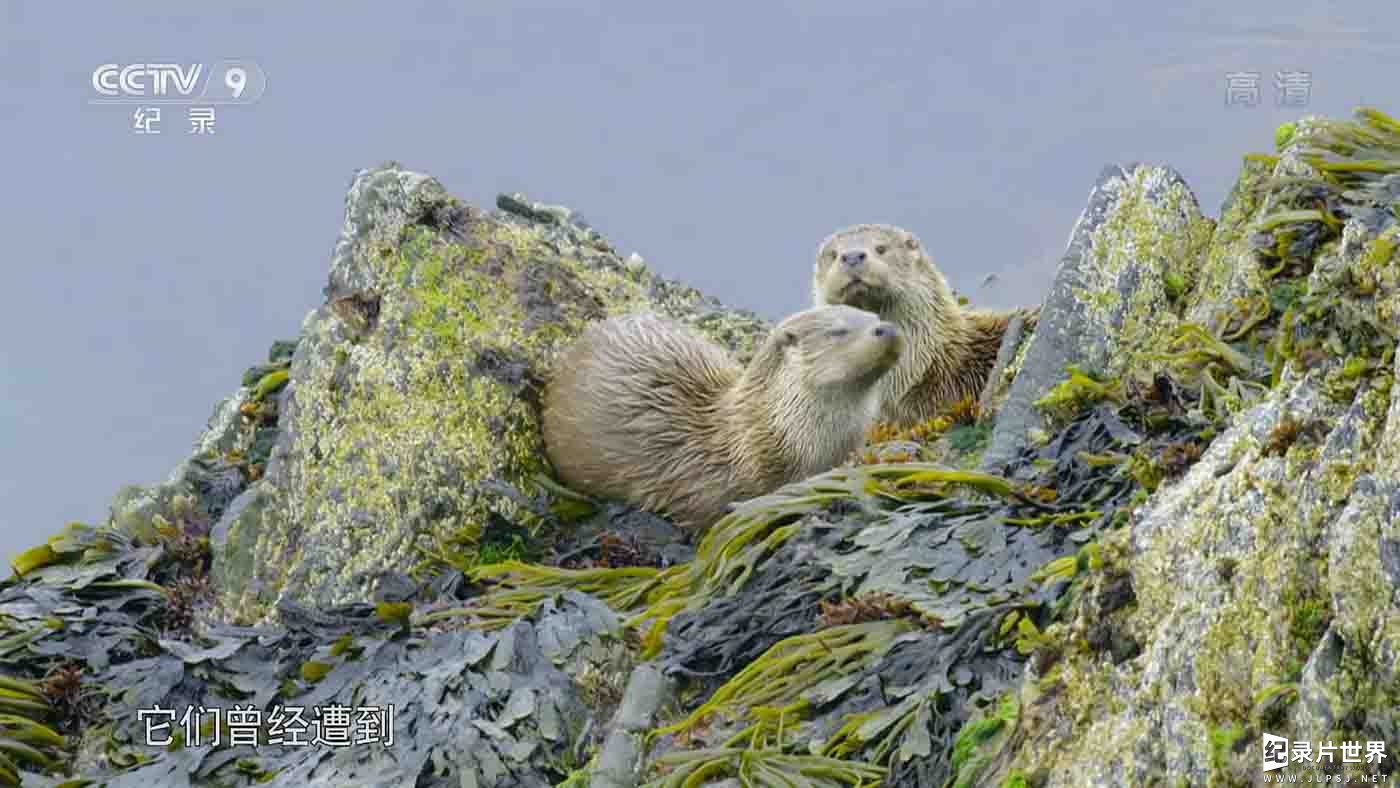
[1167,529]
[1113,293]
[409,420]
[1267,596]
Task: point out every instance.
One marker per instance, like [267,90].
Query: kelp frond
[795,666]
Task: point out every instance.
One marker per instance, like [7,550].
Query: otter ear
[787,340]
[911,243]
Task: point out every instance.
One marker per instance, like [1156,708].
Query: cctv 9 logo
[226,82]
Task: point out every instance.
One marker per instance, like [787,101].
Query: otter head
[836,351]
[819,372]
[879,268]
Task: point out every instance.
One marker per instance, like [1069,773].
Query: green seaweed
[33,558]
[792,667]
[26,742]
[270,383]
[1282,218]
[313,671]
[1059,518]
[394,612]
[762,766]
[969,754]
[1069,397]
[518,589]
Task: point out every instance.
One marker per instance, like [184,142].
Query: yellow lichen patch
[1382,250]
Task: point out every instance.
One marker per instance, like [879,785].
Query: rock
[621,757]
[1110,295]
[1264,598]
[411,413]
[1006,366]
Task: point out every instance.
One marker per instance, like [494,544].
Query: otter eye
[911,243]
[881,249]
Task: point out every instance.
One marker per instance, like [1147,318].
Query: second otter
[949,350]
[643,410]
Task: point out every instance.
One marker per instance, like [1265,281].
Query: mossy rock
[1137,248]
[410,418]
[1266,581]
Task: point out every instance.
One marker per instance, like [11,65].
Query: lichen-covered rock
[411,415]
[1266,596]
[232,451]
[1132,253]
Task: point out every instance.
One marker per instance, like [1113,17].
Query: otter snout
[853,259]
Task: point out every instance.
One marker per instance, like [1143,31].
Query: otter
[950,350]
[643,410]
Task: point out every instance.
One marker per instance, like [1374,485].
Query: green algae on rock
[1136,247]
[411,418]
[1267,580]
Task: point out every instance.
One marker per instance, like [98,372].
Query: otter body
[643,410]
[949,350]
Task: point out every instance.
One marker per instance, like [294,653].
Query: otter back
[630,413]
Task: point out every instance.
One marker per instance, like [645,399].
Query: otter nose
[886,331]
[853,259]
